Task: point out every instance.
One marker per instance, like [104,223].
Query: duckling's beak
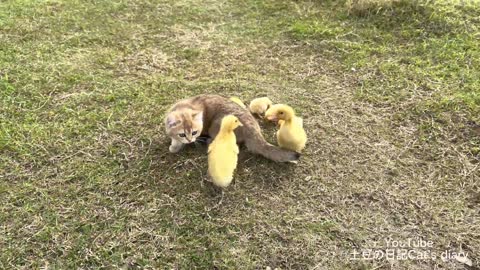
[271,118]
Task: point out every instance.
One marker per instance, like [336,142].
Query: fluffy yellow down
[239,102]
[223,152]
[291,134]
[260,105]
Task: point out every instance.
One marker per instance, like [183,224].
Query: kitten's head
[184,125]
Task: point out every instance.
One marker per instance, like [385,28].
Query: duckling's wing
[211,147]
[236,150]
[300,122]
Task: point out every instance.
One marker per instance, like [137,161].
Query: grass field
[389,92]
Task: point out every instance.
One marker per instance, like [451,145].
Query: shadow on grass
[392,15]
[384,16]
[187,171]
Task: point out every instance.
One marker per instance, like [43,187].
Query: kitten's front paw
[174,148]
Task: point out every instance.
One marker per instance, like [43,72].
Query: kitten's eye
[194,133]
[182,135]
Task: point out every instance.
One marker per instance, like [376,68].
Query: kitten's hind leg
[175,146]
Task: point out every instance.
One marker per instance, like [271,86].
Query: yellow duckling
[298,119]
[260,105]
[291,134]
[223,152]
[238,101]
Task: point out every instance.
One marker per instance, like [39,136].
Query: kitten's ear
[197,116]
[171,121]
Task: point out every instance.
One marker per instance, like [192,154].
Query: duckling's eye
[182,135]
[194,133]
[281,112]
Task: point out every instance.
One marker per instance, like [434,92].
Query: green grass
[389,93]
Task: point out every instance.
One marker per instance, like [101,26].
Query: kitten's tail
[258,145]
